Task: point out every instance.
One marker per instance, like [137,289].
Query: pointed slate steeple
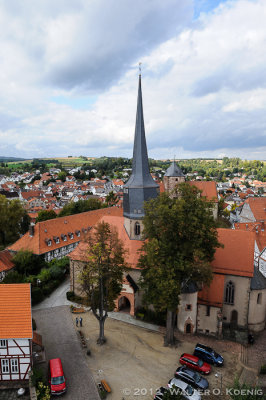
[140,187]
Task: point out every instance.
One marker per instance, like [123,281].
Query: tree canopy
[102,276]
[182,239]
[14,220]
[44,215]
[80,206]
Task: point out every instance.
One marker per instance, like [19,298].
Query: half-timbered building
[15,332]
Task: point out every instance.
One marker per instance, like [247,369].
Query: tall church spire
[140,187]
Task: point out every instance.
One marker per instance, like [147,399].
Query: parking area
[135,362]
[60,340]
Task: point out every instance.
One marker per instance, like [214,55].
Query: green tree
[181,244]
[111,199]
[102,276]
[27,263]
[44,215]
[62,176]
[13,220]
[80,206]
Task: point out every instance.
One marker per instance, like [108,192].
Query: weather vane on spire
[140,67]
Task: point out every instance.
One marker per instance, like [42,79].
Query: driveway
[60,340]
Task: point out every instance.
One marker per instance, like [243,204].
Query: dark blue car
[207,354]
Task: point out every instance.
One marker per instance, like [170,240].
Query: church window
[188,307]
[230,293]
[259,298]
[137,228]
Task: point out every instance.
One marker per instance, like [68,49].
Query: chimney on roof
[31,229]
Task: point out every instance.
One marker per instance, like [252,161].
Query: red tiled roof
[6,261]
[15,311]
[237,256]
[61,226]
[258,207]
[213,295]
[31,193]
[131,246]
[208,189]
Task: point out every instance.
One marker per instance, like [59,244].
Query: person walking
[77,321]
[80,321]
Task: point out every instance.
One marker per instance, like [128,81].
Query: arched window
[137,228]
[229,293]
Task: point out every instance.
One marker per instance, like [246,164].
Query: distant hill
[10,159]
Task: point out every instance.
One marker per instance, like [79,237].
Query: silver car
[178,386]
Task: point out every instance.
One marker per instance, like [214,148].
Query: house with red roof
[55,238]
[15,332]
[6,263]
[253,210]
[236,297]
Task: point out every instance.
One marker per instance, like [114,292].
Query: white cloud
[204,81]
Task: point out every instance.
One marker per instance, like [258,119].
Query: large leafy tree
[111,199]
[27,263]
[80,206]
[44,215]
[13,220]
[102,276]
[181,242]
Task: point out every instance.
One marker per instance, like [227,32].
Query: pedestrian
[77,321]
[80,321]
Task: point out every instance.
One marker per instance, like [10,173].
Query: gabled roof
[15,311]
[208,189]
[6,261]
[213,295]
[131,246]
[47,230]
[237,255]
[258,282]
[258,207]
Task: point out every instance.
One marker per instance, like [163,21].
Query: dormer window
[48,242]
[71,235]
[56,239]
[77,233]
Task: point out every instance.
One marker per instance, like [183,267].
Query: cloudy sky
[69,75]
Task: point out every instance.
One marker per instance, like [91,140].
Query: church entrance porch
[124,305]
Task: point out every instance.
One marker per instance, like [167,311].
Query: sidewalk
[256,356]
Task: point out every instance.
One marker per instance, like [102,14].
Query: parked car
[192,377]
[57,380]
[185,389]
[160,393]
[208,354]
[195,363]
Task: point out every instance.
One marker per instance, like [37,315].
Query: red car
[196,363]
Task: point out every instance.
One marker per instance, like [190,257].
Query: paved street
[57,298]
[60,340]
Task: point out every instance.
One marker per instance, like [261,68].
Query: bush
[70,296]
[62,263]
[44,275]
[56,272]
[263,369]
[13,277]
[155,317]
[36,295]
[36,376]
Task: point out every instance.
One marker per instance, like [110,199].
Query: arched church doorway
[124,304]
[188,328]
